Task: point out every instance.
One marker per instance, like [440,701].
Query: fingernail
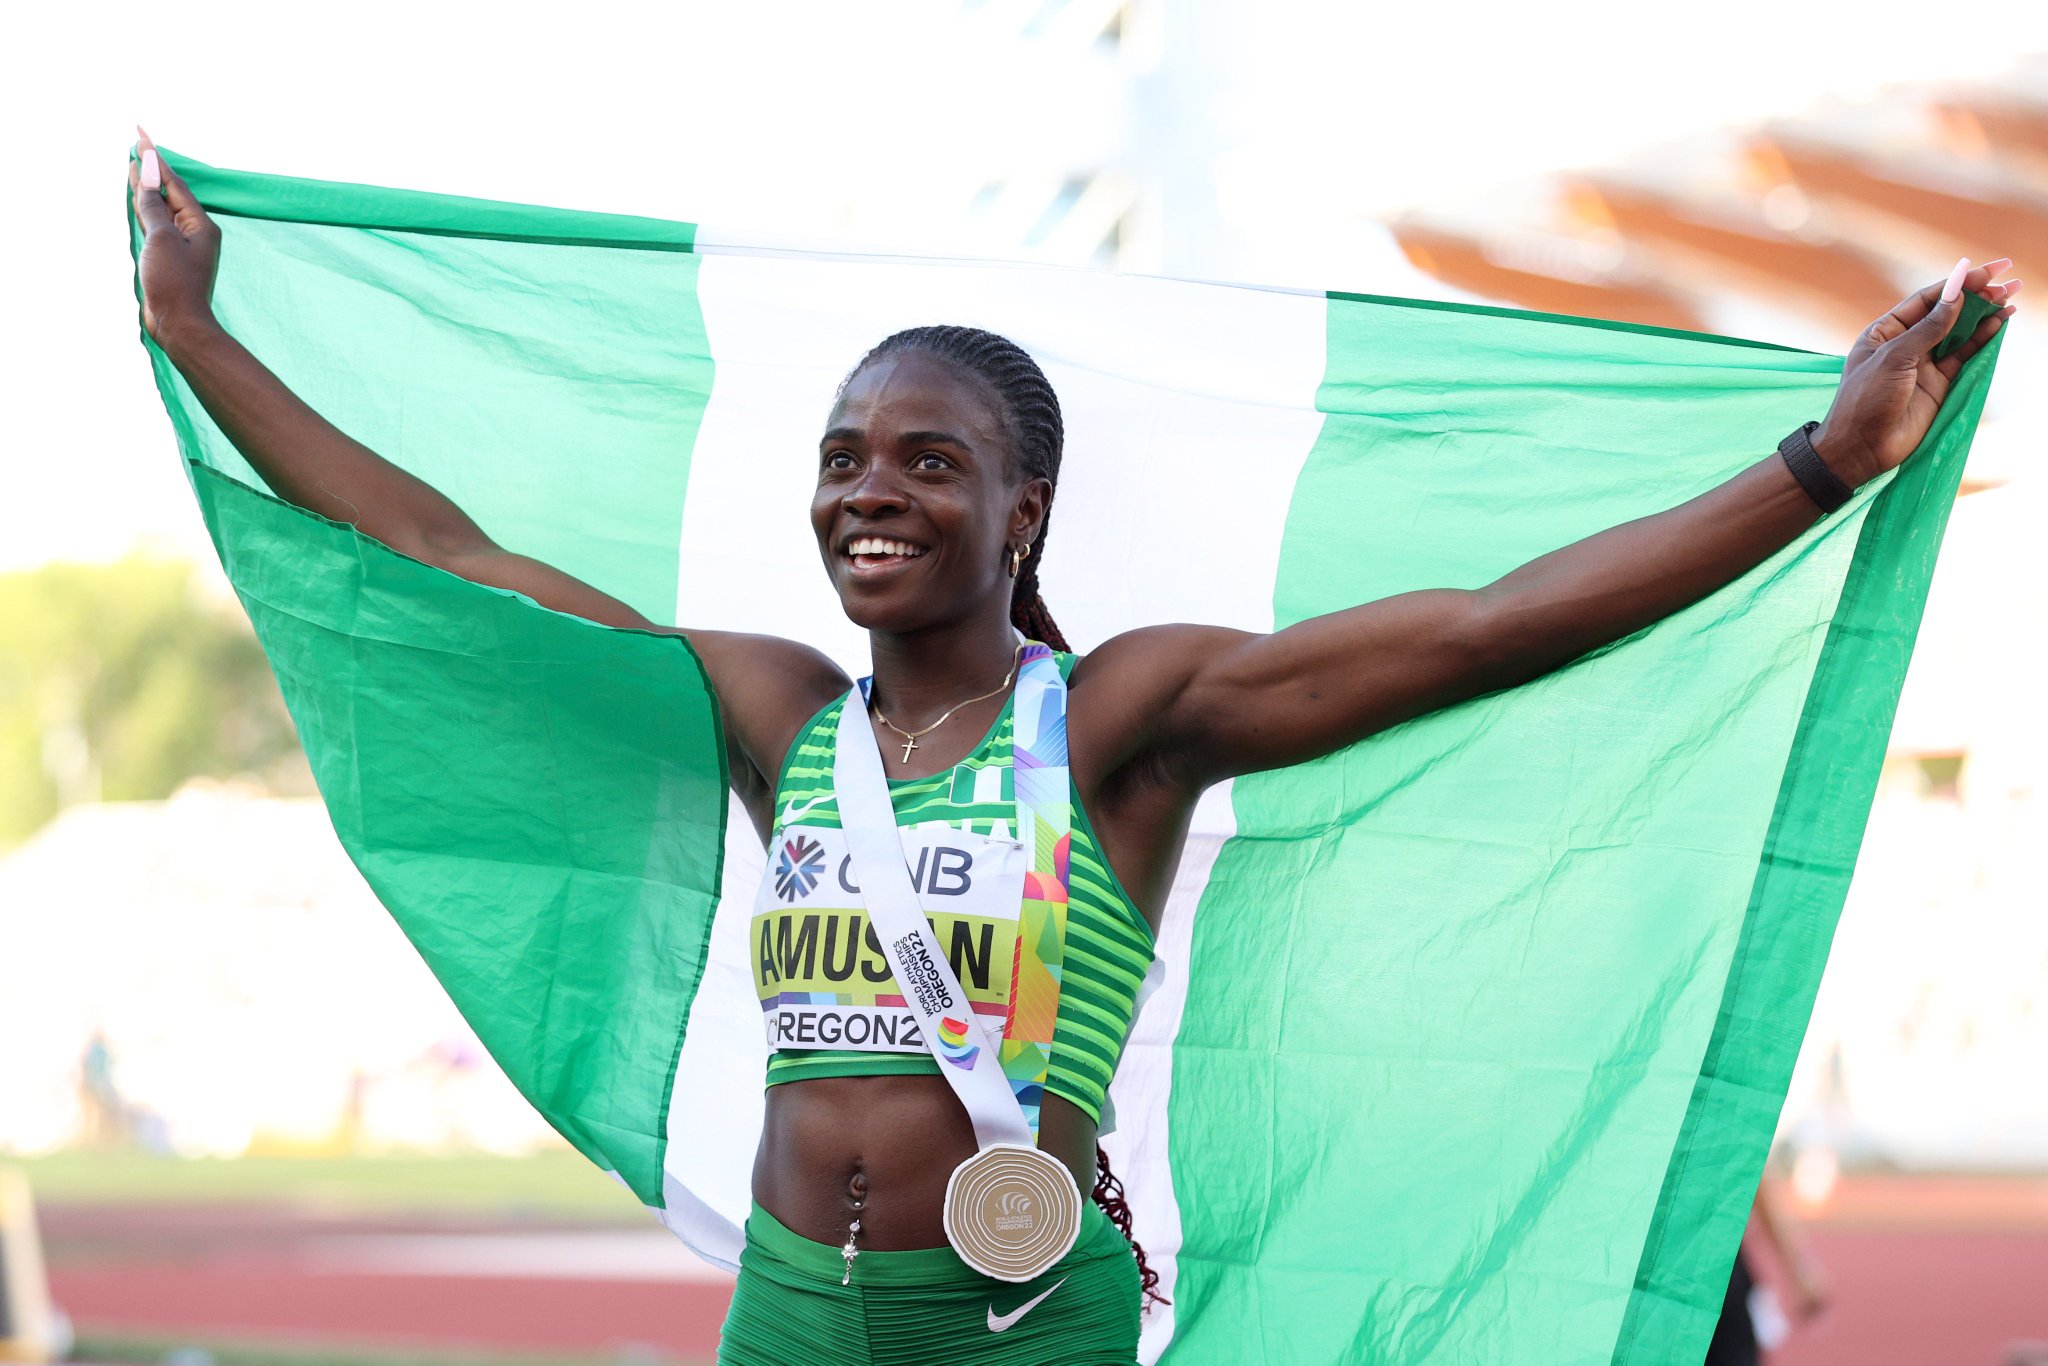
[2012,287]
[152,170]
[1954,286]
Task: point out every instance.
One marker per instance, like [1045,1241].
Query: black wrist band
[1820,483]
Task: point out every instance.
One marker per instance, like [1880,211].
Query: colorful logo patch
[953,1045]
[798,869]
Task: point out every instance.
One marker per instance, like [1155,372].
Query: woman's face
[918,502]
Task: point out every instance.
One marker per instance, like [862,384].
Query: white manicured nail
[1954,286]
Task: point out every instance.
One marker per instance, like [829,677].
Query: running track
[1924,1272]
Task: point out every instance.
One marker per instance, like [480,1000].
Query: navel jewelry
[910,736]
[859,1189]
[850,1251]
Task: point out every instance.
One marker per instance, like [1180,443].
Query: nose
[875,492]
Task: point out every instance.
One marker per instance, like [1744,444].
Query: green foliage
[121,681]
[556,1184]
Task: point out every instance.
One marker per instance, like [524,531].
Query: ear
[1034,499]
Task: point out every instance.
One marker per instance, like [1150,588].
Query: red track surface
[1924,1272]
[1928,1272]
[258,1300]
[253,1273]
[1925,1299]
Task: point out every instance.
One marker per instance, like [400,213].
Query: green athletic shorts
[927,1308]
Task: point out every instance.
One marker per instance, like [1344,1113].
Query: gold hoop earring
[1017,558]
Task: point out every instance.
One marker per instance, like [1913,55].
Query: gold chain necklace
[910,736]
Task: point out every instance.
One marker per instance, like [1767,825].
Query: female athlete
[936,480]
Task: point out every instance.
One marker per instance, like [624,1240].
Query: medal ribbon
[1045,815]
[1000,1081]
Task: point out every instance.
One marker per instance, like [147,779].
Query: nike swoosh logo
[792,812]
[998,1322]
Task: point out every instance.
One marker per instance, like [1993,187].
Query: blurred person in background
[1752,1320]
[107,1120]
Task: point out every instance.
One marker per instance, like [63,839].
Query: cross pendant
[909,743]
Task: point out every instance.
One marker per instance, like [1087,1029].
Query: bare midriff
[880,1149]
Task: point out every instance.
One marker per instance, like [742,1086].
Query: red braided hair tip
[1109,1193]
[1031,617]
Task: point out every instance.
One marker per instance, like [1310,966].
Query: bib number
[820,967]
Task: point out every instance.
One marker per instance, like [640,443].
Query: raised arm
[769,686]
[1206,703]
[1780,1228]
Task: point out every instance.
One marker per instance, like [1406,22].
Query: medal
[1012,1212]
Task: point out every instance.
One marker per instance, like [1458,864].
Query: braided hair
[1030,414]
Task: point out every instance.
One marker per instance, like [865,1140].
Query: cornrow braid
[1030,413]
[1109,1193]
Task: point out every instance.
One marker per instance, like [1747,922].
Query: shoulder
[1153,661]
[769,689]
[1128,690]
[749,669]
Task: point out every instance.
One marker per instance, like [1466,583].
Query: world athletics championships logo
[797,871]
[1015,1211]
[953,1045]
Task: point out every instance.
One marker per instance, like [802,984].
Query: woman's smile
[874,555]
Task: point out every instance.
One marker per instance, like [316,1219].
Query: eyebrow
[910,438]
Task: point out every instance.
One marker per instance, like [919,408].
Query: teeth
[876,545]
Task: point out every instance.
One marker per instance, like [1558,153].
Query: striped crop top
[1108,944]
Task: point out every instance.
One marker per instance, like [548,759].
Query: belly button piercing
[849,1252]
[859,1191]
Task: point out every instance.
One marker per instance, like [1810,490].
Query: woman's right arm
[769,686]
[304,458]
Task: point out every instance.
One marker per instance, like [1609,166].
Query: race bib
[819,967]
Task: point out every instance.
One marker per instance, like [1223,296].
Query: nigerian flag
[1467,1041]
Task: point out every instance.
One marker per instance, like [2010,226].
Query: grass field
[547,1185]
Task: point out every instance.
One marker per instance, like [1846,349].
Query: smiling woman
[1013,423]
[972,850]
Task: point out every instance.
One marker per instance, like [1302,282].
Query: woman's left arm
[1216,703]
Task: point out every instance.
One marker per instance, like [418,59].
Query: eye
[838,460]
[931,460]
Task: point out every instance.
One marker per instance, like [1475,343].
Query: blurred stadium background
[253,1128]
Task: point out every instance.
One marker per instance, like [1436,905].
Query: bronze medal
[1012,1212]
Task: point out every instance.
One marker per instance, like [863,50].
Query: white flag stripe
[713,240]
[1144,1085]
[1190,410]
[714,1113]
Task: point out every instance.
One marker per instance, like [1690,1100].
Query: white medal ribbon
[1011,1210]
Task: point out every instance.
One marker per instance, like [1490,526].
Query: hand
[1891,383]
[180,247]
[1813,1289]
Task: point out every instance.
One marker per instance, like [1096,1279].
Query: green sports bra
[1108,945]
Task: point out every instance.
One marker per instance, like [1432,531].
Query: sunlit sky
[1282,127]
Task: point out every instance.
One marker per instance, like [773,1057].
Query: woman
[936,478]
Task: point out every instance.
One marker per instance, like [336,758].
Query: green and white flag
[1468,1041]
